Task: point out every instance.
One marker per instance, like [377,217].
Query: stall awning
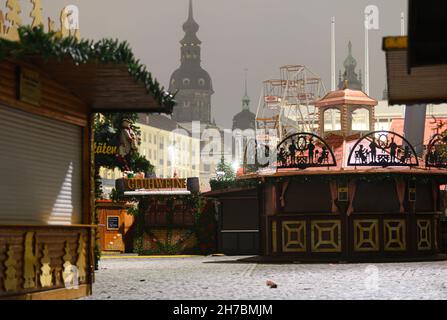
[104,87]
[105,75]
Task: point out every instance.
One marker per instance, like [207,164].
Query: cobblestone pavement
[218,278]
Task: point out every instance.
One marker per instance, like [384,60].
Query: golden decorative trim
[319,244]
[69,20]
[81,263]
[13,17]
[290,228]
[393,43]
[36,13]
[30,261]
[46,276]
[274,235]
[394,235]
[68,275]
[436,233]
[57,274]
[424,234]
[371,241]
[11,280]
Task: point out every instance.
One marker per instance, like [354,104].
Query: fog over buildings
[260,35]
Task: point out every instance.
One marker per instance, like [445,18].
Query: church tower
[245,119]
[350,75]
[191,82]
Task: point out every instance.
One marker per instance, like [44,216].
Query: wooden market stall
[49,89]
[349,193]
[168,214]
[238,220]
[114,226]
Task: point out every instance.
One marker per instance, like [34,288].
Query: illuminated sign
[103,148]
[150,184]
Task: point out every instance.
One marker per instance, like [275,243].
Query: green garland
[36,42]
[423,178]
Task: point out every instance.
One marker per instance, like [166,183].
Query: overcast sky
[260,35]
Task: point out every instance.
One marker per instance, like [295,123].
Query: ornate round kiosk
[349,193]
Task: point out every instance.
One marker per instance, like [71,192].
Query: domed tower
[354,80]
[245,119]
[191,82]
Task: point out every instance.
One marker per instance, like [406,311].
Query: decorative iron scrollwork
[304,150]
[383,149]
[436,156]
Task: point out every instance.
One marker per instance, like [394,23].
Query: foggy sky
[260,35]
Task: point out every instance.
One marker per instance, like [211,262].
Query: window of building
[332,120]
[186,82]
[360,120]
[201,82]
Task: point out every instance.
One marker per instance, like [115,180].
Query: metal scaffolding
[287,105]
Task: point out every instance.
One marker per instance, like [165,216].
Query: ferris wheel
[287,105]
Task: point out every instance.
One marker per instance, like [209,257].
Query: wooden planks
[57,101]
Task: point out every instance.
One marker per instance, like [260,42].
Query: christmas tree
[13,16]
[225,171]
[81,262]
[2,23]
[36,13]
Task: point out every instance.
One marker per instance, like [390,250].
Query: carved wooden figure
[2,23]
[51,25]
[46,276]
[15,21]
[68,273]
[11,280]
[70,22]
[81,262]
[57,274]
[64,32]
[36,13]
[30,261]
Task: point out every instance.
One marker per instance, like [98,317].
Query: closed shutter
[40,170]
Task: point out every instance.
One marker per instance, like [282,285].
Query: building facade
[167,146]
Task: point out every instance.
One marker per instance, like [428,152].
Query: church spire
[350,74]
[190,27]
[246,98]
[192,82]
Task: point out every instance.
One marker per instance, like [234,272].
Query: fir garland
[36,42]
[422,178]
